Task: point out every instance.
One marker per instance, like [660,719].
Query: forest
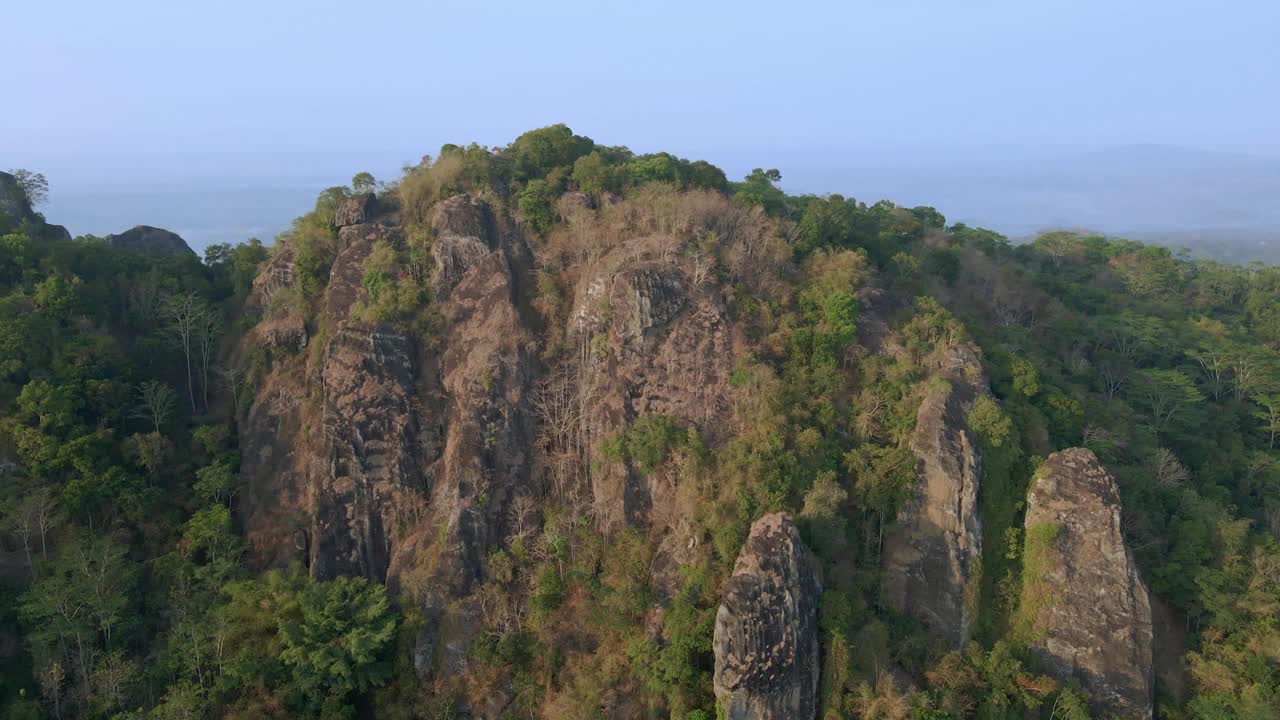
[144,572]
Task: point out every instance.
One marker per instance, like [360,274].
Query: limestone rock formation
[150,240]
[932,554]
[1086,606]
[766,635]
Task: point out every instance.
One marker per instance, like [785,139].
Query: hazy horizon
[222,120]
[1175,196]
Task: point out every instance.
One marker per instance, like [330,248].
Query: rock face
[150,240]
[331,457]
[356,210]
[766,641]
[932,554]
[659,343]
[13,201]
[15,209]
[1087,608]
[484,372]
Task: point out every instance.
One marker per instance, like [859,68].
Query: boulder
[465,216]
[151,241]
[1084,606]
[931,555]
[766,635]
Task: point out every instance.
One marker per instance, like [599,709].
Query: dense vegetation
[129,593]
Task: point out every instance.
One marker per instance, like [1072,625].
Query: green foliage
[135,598]
[943,262]
[390,294]
[537,152]
[592,173]
[761,188]
[536,202]
[647,443]
[32,184]
[335,641]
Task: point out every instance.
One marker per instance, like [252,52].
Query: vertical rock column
[1084,606]
[931,553]
[766,635]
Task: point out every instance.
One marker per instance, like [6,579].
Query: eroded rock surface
[1087,608]
[932,554]
[356,210]
[658,343]
[766,635]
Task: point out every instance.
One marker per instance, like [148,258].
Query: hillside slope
[555,430]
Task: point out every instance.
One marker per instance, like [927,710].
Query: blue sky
[701,78]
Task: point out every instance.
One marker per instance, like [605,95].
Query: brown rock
[276,275]
[766,642]
[465,216]
[574,202]
[659,346]
[356,210]
[1084,604]
[932,553]
[366,480]
[346,277]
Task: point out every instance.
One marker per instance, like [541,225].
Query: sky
[312,75]
[222,118]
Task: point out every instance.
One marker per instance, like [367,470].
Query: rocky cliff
[766,635]
[16,210]
[1084,604]
[482,369]
[932,554]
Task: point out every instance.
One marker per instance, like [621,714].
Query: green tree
[33,185]
[1167,395]
[363,182]
[336,641]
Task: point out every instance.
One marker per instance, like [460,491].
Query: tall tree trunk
[191,390]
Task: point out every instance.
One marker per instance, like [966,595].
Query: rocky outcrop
[932,554]
[276,275]
[14,204]
[1084,605]
[331,447]
[366,482]
[356,210]
[658,343]
[766,635]
[366,479]
[479,424]
[16,210]
[151,241]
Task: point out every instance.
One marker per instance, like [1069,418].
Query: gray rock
[932,553]
[1084,604]
[766,640]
